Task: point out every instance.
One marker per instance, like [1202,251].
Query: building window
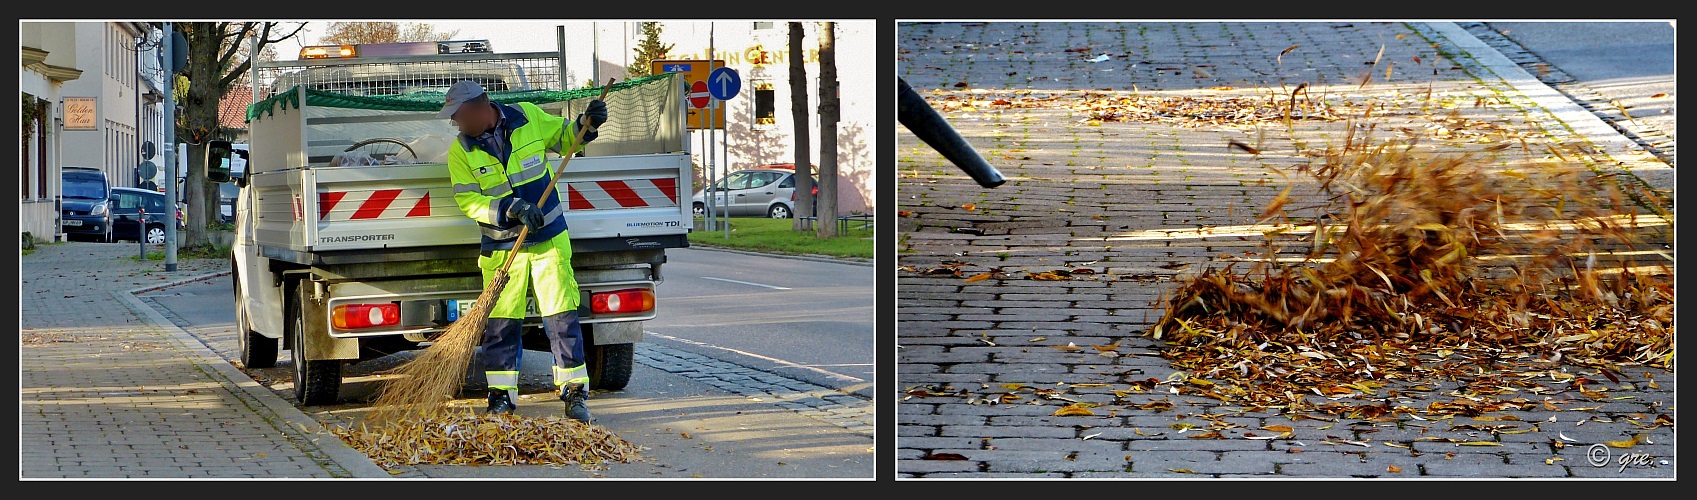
[765,104]
[27,165]
[41,121]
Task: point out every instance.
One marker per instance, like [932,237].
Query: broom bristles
[433,377]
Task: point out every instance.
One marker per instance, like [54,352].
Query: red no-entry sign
[698,95]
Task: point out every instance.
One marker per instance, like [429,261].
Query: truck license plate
[73,222]
[458,308]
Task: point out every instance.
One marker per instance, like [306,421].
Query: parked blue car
[84,194]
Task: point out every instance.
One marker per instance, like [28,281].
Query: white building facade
[93,107]
[111,56]
[49,60]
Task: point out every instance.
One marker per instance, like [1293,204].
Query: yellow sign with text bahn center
[694,70]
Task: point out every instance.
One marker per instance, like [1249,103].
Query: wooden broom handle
[524,230]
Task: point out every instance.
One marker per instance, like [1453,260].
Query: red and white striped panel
[633,193]
[365,205]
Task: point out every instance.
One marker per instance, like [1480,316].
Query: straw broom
[437,373]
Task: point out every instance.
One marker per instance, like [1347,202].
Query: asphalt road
[804,319]
[1629,64]
[750,378]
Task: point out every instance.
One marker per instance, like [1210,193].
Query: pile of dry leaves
[1427,268]
[465,438]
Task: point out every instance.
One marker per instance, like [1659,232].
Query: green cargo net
[426,101]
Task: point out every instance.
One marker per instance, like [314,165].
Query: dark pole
[921,119]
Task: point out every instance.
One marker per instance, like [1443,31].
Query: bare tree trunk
[828,114]
[198,124]
[798,112]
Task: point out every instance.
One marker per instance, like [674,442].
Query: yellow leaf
[1089,385]
[1074,410]
[1479,443]
[1106,348]
[1393,468]
[1278,428]
[1200,382]
[1182,471]
[1432,226]
[969,207]
[1627,443]
[1013,387]
[1182,426]
[978,277]
[1208,435]
[1069,347]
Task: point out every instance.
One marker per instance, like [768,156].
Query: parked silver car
[764,191]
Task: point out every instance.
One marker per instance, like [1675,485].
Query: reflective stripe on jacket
[485,186]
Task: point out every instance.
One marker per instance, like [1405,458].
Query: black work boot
[500,402]
[576,397]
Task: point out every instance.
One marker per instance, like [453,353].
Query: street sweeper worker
[499,170]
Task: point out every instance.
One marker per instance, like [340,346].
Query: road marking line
[743,282]
[785,364]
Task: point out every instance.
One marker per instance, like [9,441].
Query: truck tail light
[348,316]
[622,301]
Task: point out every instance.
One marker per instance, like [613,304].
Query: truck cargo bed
[349,213]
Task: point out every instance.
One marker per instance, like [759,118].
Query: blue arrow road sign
[724,83]
[675,67]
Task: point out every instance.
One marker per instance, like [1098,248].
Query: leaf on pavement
[979,277]
[944,456]
[1074,410]
[1629,442]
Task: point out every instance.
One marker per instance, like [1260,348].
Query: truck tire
[257,351]
[610,365]
[316,382]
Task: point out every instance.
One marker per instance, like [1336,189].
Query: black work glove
[527,213]
[594,116]
[596,113]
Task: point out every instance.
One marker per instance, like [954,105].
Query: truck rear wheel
[610,365]
[316,382]
[257,351]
